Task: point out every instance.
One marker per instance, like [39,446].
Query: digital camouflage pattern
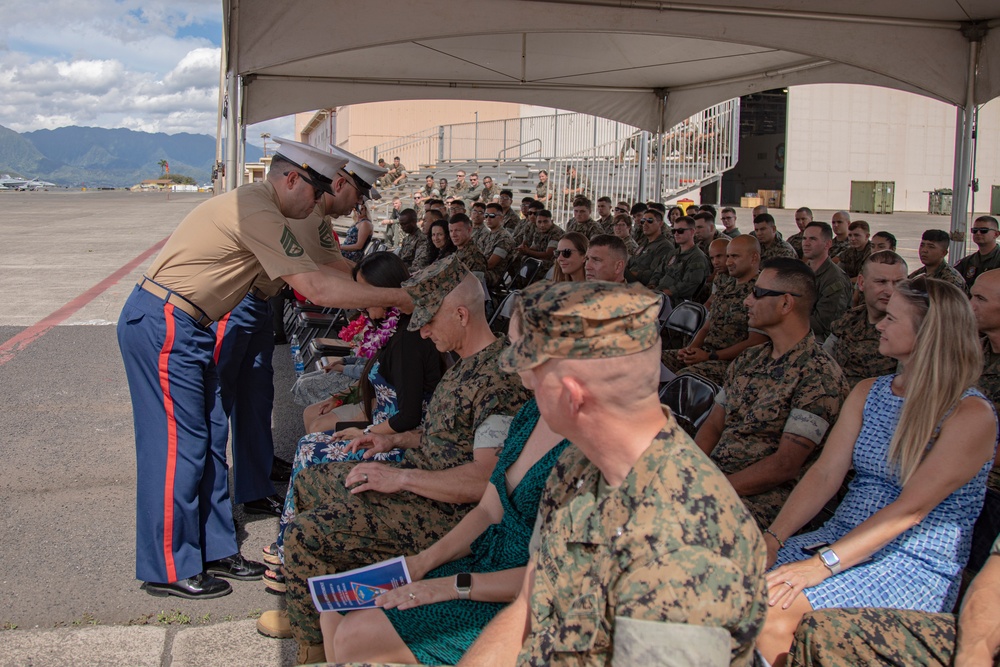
[584,320]
[523,231]
[672,544]
[971,266]
[989,382]
[422,256]
[412,245]
[501,244]
[590,229]
[703,245]
[945,272]
[834,291]
[795,240]
[479,234]
[777,248]
[650,259]
[684,274]
[732,233]
[727,325]
[852,637]
[511,220]
[839,247]
[801,392]
[607,224]
[540,241]
[335,531]
[853,343]
[631,246]
[486,195]
[472,257]
[429,287]
[458,190]
[852,259]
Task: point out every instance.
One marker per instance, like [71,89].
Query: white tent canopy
[643,62]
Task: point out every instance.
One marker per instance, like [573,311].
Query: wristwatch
[830,559]
[463,585]
[712,356]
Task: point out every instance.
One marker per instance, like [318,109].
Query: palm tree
[163,166]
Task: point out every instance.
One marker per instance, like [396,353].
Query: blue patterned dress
[350,239]
[438,634]
[316,448]
[921,569]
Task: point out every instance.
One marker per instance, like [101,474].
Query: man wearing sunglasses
[779,399]
[498,246]
[987,257]
[685,272]
[651,257]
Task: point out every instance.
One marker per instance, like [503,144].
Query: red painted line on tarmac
[10,348]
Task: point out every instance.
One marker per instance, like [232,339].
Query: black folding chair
[691,398]
[500,321]
[683,323]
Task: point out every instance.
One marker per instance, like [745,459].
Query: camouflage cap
[583,320]
[429,287]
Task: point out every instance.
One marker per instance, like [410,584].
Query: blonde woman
[922,443]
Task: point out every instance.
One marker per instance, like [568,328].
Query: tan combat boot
[275,624]
[309,654]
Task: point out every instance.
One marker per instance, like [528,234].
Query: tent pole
[643,166]
[660,157]
[963,160]
[233,94]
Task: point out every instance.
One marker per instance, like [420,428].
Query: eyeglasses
[761,292]
[492,215]
[982,230]
[648,220]
[620,210]
[567,253]
[317,190]
[680,230]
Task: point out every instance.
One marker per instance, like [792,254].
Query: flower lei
[367,339]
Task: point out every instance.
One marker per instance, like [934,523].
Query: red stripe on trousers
[220,331]
[168,406]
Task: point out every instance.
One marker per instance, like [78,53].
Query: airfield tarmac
[68,260]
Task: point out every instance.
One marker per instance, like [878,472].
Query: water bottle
[296,348]
[300,364]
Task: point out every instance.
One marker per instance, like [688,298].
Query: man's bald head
[469,295]
[986,302]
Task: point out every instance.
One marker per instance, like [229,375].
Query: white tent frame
[643,62]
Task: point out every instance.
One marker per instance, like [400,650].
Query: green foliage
[181,179]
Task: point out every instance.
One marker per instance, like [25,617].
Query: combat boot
[274,623]
[309,654]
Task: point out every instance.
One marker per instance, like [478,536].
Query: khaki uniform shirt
[852,260]
[412,245]
[684,274]
[945,272]
[501,244]
[666,562]
[853,343]
[225,244]
[834,291]
[650,260]
[472,257]
[800,393]
[777,248]
[315,233]
[971,266]
[590,229]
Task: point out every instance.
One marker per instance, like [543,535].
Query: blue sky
[145,65]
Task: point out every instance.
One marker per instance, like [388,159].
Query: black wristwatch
[463,585]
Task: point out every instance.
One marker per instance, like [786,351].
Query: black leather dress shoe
[199,587]
[270,505]
[236,567]
[281,470]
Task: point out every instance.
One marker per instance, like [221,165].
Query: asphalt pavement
[68,260]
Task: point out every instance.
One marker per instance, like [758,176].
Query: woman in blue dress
[358,236]
[402,373]
[922,444]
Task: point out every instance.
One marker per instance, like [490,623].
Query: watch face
[463,580]
[829,558]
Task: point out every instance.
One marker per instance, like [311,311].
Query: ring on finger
[412,596]
[365,478]
[790,584]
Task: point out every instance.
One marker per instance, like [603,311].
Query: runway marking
[10,348]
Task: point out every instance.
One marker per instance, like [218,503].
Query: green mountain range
[98,157]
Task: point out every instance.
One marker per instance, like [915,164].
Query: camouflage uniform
[590,229]
[650,259]
[412,245]
[703,245]
[539,241]
[795,240]
[851,260]
[834,291]
[421,256]
[799,393]
[501,244]
[732,233]
[479,234]
[839,247]
[727,326]
[853,343]
[631,246]
[511,220]
[486,195]
[459,190]
[607,224]
[945,272]
[971,266]
[777,248]
[429,192]
[542,191]
[684,274]
[472,257]
[667,561]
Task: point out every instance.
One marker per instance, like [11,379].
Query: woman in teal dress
[425,621]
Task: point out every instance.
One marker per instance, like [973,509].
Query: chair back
[500,321]
[685,319]
[691,398]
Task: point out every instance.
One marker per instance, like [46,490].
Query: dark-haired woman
[439,244]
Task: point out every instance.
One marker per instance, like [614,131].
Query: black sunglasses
[620,210]
[492,215]
[644,220]
[318,191]
[681,230]
[761,292]
[567,253]
[982,230]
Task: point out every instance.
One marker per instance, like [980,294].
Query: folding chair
[501,318]
[691,398]
[685,319]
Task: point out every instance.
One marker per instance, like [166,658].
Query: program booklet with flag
[357,589]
